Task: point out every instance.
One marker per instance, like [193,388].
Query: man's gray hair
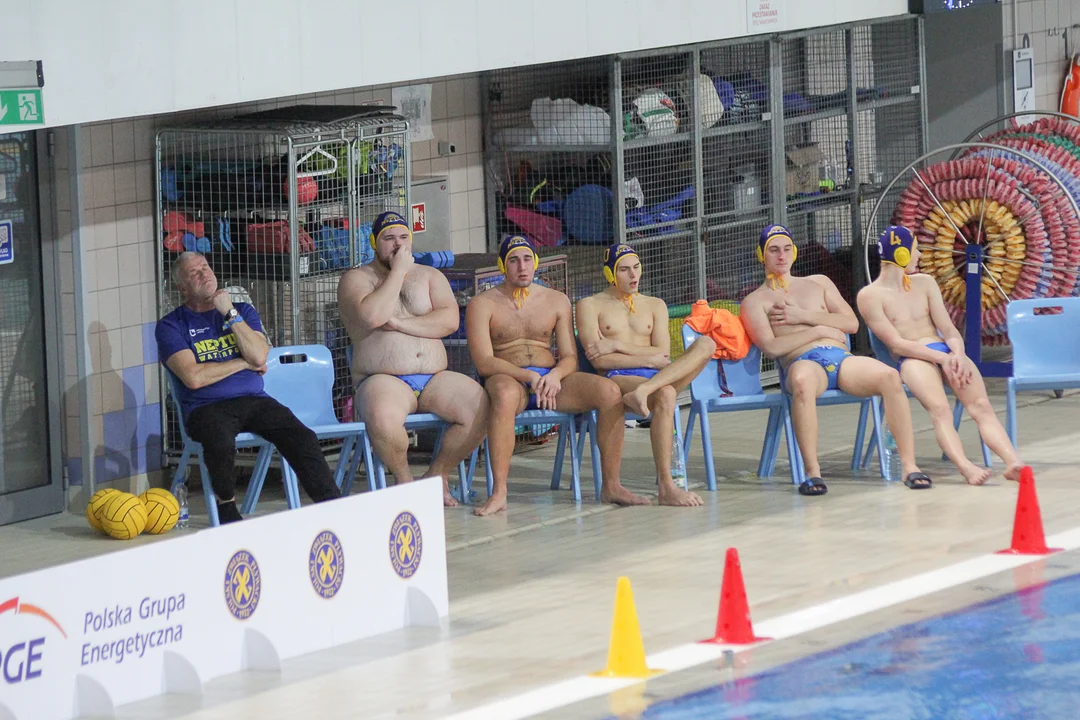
[178,264]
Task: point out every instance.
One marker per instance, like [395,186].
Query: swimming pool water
[1017,656]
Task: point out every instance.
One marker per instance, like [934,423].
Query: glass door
[29,485]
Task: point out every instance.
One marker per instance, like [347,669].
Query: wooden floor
[531,591]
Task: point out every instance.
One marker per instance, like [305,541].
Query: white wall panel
[122,58]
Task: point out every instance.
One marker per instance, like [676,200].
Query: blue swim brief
[829,358]
[939,346]
[647,373]
[531,405]
[416,383]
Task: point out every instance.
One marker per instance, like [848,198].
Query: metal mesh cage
[281,204]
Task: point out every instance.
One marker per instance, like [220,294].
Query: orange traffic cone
[1028,537]
[733,626]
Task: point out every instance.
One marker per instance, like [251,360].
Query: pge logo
[406,545]
[22,660]
[326,564]
[243,584]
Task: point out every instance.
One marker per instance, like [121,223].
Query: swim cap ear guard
[895,244]
[612,256]
[384,221]
[773,232]
[512,242]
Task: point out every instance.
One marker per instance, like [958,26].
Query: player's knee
[608,393]
[888,380]
[663,400]
[706,343]
[980,408]
[504,395]
[803,386]
[940,411]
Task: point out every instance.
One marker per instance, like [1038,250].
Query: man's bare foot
[637,401]
[974,474]
[496,503]
[674,496]
[1013,472]
[448,499]
[618,495]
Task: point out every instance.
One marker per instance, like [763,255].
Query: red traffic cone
[1028,537]
[733,626]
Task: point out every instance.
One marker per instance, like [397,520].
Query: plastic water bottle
[678,467]
[892,458]
[182,499]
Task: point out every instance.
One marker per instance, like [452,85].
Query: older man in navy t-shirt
[217,351]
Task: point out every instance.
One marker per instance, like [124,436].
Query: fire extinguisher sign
[419,218]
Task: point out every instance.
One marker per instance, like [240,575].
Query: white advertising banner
[84,638]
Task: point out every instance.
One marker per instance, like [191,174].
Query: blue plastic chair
[192,449]
[583,429]
[1046,350]
[882,353]
[571,426]
[301,377]
[415,421]
[869,408]
[744,392]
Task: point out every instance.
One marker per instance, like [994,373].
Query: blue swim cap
[895,245]
[770,233]
[612,256]
[384,221]
[511,243]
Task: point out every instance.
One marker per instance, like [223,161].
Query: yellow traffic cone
[626,653]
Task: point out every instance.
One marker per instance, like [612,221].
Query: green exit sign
[21,107]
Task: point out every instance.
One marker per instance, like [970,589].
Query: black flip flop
[918,481]
[813,486]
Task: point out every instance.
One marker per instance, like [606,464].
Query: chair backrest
[743,377]
[174,385]
[583,363]
[1045,344]
[881,350]
[301,377]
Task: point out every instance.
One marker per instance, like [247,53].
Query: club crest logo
[406,545]
[326,564]
[243,584]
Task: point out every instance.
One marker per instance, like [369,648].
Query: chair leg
[706,449]
[258,478]
[798,470]
[679,447]
[487,469]
[1010,412]
[771,428]
[575,462]
[871,448]
[466,481]
[181,469]
[345,455]
[208,492]
[860,435]
[879,424]
[380,473]
[688,434]
[594,450]
[560,450]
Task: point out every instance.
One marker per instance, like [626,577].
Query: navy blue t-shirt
[202,334]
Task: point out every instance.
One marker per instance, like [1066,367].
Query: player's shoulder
[822,280]
[357,275]
[923,281]
[652,302]
[757,297]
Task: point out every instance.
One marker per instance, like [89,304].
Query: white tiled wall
[120,259]
[1045,23]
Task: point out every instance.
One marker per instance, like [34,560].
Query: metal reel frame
[974,252]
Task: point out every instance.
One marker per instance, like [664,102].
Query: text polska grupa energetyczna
[136,643]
